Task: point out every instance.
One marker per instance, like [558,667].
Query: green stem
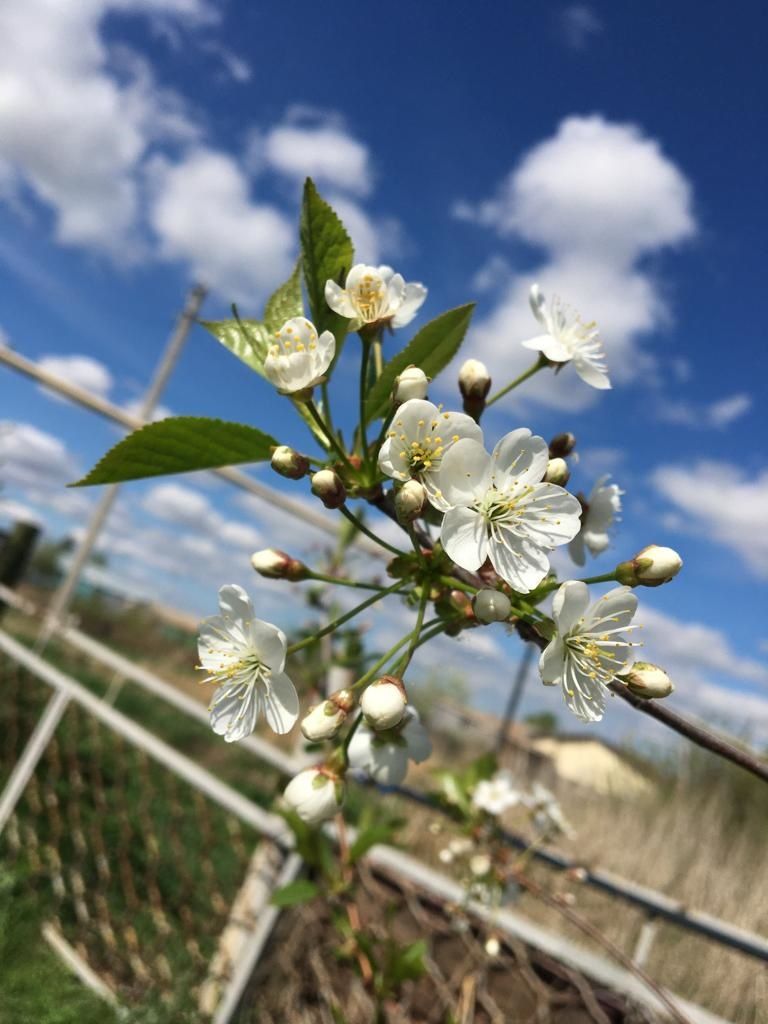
[369,533]
[366,346]
[405,661]
[329,435]
[324,578]
[346,617]
[454,584]
[607,577]
[540,363]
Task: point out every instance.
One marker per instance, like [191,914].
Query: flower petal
[235,606]
[549,346]
[280,703]
[417,737]
[338,300]
[538,304]
[613,610]
[569,605]
[520,563]
[465,472]
[552,661]
[590,374]
[585,697]
[234,716]
[519,458]
[268,642]
[576,549]
[549,515]
[465,537]
[216,646]
[415,294]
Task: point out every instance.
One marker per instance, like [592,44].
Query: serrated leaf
[285,303]
[300,891]
[247,339]
[432,349]
[180,444]
[326,253]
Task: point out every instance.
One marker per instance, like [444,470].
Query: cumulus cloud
[721,501]
[717,414]
[597,197]
[30,457]
[82,371]
[73,130]
[186,507]
[203,214]
[326,152]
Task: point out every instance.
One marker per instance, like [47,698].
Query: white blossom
[411,383]
[567,339]
[246,658]
[546,812]
[383,703]
[496,795]
[603,507]
[298,358]
[589,650]
[418,440]
[314,794]
[375,294]
[385,755]
[498,508]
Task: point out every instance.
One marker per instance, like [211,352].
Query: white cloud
[722,502]
[597,197]
[186,507]
[82,371]
[579,23]
[72,129]
[326,152]
[32,458]
[236,67]
[203,214]
[717,414]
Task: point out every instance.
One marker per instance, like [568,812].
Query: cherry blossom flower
[567,339]
[497,794]
[246,658]
[385,755]
[603,507]
[589,649]
[375,295]
[498,508]
[419,438]
[298,359]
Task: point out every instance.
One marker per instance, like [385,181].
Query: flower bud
[289,463]
[647,680]
[474,385]
[323,721]
[561,445]
[329,489]
[409,501]
[557,472]
[383,703]
[480,864]
[411,383]
[650,567]
[492,946]
[276,565]
[491,605]
[314,794]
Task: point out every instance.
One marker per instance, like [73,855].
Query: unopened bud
[561,445]
[289,463]
[323,721]
[411,383]
[557,472]
[474,385]
[492,946]
[491,605]
[650,567]
[480,864]
[315,794]
[647,680]
[277,565]
[383,703]
[329,489]
[409,501]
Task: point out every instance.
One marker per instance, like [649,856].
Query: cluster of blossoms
[482,519]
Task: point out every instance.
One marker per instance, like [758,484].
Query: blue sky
[611,151]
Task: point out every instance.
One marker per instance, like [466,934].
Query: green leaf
[378,832]
[285,303]
[326,253]
[179,445]
[432,349]
[301,891]
[247,339]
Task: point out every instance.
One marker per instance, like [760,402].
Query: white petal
[280,703]
[576,549]
[552,661]
[338,300]
[268,642]
[585,697]
[326,350]
[614,610]
[464,537]
[234,717]
[390,461]
[549,515]
[414,417]
[596,542]
[538,304]
[215,644]
[590,374]
[550,347]
[395,293]
[569,605]
[235,606]
[604,505]
[465,472]
[415,294]
[519,563]
[519,458]
[417,737]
